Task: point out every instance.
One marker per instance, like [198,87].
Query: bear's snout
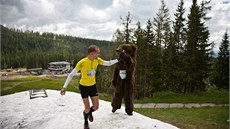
[119,50]
[121,54]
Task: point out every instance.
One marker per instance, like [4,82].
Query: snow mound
[18,111]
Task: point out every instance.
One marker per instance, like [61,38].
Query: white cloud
[36,8]
[98,19]
[88,13]
[219,22]
[121,3]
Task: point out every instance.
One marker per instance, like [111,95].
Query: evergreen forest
[32,50]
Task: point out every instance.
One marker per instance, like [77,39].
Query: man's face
[96,53]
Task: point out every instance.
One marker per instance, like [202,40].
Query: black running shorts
[87,91]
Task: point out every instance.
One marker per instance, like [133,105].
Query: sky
[18,111]
[99,19]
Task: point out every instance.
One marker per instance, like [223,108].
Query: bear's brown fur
[124,85]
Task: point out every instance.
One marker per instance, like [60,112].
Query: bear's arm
[130,80]
[115,76]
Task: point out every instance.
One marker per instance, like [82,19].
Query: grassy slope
[212,96]
[18,85]
[56,83]
[191,118]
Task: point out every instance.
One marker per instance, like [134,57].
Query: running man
[87,86]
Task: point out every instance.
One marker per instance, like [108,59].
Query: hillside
[31,49]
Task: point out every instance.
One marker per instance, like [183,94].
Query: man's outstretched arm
[69,78]
[111,62]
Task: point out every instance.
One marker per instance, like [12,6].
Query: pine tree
[179,28]
[169,64]
[118,38]
[128,31]
[205,46]
[140,41]
[191,48]
[148,59]
[162,27]
[204,9]
[179,36]
[222,77]
[124,36]
[196,50]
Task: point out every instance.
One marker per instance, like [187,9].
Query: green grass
[56,83]
[212,96]
[191,118]
[24,84]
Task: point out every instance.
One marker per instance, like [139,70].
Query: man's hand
[118,58]
[63,90]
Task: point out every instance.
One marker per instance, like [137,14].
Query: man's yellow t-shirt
[88,70]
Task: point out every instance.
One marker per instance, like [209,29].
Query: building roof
[59,63]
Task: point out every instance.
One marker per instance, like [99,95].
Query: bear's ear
[134,47]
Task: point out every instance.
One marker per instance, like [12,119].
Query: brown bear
[124,77]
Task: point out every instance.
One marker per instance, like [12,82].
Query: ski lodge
[61,66]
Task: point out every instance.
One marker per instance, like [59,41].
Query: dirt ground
[12,74]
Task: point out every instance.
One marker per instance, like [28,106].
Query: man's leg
[86,111]
[95,101]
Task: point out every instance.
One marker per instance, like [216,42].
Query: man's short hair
[92,48]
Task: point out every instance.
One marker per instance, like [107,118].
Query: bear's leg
[128,106]
[117,100]
[128,98]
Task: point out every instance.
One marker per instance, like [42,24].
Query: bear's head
[127,52]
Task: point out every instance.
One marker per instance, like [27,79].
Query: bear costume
[124,78]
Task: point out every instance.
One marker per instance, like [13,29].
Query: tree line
[176,55]
[32,50]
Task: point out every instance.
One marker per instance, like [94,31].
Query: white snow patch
[18,111]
